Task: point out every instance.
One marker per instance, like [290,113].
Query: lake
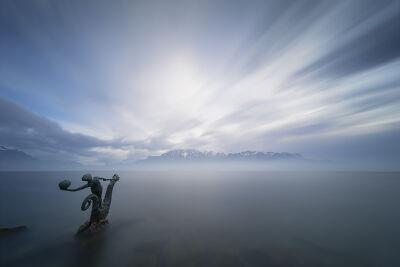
[206,218]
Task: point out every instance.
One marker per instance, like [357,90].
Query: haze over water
[209,218]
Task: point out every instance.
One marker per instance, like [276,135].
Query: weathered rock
[4,231]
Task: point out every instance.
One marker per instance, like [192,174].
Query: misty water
[206,218]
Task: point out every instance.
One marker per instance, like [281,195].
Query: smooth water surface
[206,219]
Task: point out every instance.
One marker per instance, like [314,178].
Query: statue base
[92,227]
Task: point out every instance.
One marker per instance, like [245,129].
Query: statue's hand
[63,185]
[115,177]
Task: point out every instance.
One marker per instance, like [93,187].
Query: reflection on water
[207,219]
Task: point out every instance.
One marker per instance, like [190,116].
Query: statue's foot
[92,227]
[83,227]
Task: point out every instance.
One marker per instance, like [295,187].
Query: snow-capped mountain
[192,155]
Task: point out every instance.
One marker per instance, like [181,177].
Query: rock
[4,231]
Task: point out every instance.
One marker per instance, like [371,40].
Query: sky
[101,82]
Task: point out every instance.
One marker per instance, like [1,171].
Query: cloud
[376,45]
[22,129]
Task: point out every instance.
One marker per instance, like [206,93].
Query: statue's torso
[96,188]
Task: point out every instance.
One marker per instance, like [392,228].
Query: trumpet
[104,179]
[115,177]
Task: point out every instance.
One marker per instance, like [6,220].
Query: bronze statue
[99,208]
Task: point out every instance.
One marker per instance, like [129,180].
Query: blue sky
[100,82]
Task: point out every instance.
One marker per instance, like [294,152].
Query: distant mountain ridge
[193,155]
[13,159]
[17,160]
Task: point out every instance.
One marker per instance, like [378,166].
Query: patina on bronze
[100,208]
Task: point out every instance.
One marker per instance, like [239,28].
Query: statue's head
[87,177]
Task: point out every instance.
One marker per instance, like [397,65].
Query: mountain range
[13,159]
[192,155]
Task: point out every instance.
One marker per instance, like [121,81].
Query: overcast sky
[99,82]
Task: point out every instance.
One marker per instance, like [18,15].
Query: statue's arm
[77,189]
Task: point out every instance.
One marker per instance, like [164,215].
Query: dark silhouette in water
[5,231]
[100,208]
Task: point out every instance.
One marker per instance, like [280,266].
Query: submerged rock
[4,231]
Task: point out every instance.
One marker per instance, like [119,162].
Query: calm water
[206,219]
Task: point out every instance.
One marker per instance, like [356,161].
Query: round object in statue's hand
[64,184]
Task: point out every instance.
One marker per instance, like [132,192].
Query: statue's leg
[108,196]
